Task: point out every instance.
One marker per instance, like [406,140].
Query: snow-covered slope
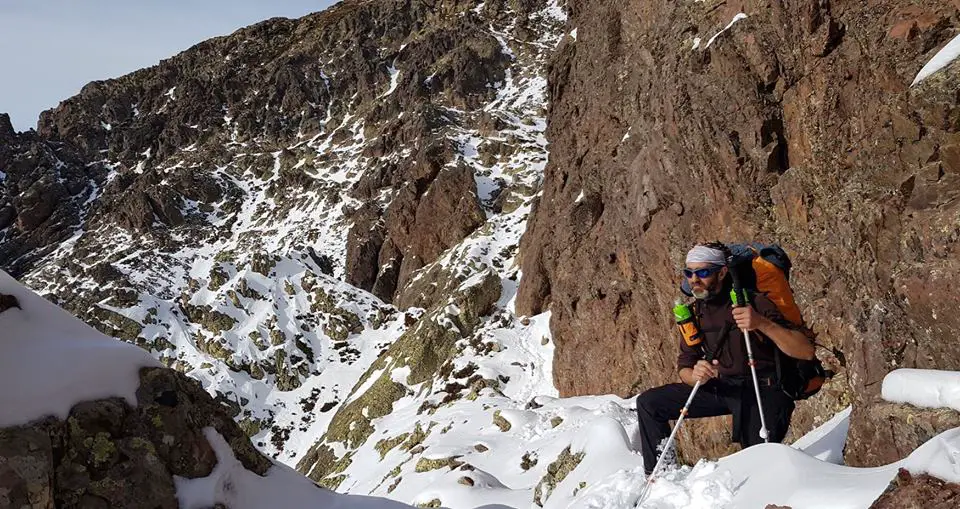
[49,360]
[239,279]
[484,450]
[51,363]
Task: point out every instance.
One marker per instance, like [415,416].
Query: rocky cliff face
[791,122]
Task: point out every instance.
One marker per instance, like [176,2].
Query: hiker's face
[703,287]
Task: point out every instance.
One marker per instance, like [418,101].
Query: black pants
[657,406]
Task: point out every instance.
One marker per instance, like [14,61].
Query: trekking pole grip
[737,295]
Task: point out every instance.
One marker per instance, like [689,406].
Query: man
[726,387]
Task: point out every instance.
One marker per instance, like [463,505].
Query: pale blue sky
[49,49]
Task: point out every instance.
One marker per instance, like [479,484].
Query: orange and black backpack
[765,269]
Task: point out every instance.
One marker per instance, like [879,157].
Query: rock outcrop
[673,122]
[107,454]
[909,491]
[889,432]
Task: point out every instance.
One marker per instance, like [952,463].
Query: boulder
[107,454]
[908,491]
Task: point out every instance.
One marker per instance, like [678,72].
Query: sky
[49,49]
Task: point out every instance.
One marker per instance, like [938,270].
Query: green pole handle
[739,298]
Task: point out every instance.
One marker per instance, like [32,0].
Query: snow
[923,388]
[943,58]
[50,361]
[736,18]
[696,43]
[555,11]
[783,475]
[573,34]
[234,486]
[826,442]
[504,47]
[394,79]
[610,475]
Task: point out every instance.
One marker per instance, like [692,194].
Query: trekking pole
[739,298]
[673,434]
[683,315]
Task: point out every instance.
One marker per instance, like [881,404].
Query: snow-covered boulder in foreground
[50,361]
[90,421]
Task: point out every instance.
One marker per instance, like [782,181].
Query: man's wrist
[765,325]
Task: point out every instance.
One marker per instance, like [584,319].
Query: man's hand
[749,319]
[704,371]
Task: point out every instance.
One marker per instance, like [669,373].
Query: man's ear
[723,273]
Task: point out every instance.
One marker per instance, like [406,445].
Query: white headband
[704,254]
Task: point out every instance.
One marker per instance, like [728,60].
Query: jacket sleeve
[688,356]
[767,308]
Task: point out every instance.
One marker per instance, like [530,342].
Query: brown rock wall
[796,125]
[889,432]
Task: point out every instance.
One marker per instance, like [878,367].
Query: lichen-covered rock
[263,263]
[416,438]
[286,378]
[556,473]
[386,445]
[325,466]
[528,461]
[426,464]
[116,325]
[218,278]
[27,469]
[107,454]
[501,422]
[211,319]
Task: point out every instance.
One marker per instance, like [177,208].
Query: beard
[708,291]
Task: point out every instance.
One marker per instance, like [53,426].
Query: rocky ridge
[230,209]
